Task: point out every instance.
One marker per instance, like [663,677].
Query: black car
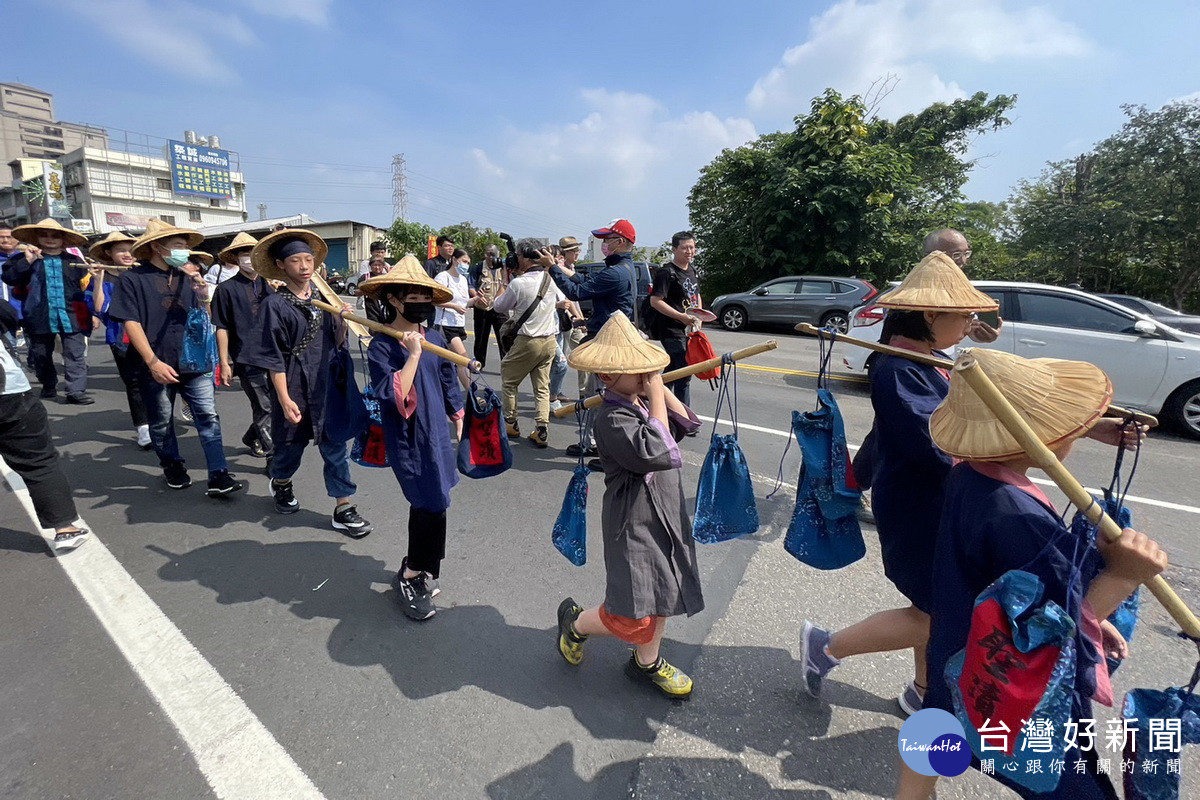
[645,279]
[1167,316]
[816,299]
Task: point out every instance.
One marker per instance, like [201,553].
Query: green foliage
[1123,218]
[405,237]
[840,194]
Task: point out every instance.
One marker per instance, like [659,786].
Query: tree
[840,194]
[408,238]
[472,239]
[412,237]
[1124,217]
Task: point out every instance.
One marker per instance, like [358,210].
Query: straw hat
[240,242]
[937,284]
[204,258]
[407,271]
[100,250]
[156,229]
[264,262]
[618,349]
[28,233]
[1059,399]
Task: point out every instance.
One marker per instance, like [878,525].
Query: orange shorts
[634,631]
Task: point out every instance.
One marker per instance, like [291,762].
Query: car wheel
[1182,409]
[733,318]
[352,288]
[840,321]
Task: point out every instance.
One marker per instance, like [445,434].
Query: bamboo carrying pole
[968,367]
[371,325]
[683,372]
[945,363]
[332,298]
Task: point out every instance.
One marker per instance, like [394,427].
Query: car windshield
[1159,310]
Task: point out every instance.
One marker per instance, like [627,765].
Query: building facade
[28,128]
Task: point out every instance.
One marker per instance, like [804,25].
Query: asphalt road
[301,625]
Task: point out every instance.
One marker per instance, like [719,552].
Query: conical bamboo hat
[618,349]
[240,242]
[204,258]
[937,284]
[157,229]
[28,233]
[100,252]
[264,262]
[407,271]
[1059,399]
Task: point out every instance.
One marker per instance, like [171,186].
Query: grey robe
[649,553]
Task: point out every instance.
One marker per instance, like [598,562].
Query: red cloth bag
[700,349]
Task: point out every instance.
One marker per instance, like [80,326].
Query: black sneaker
[222,483]
[177,477]
[81,399]
[595,466]
[413,594]
[48,393]
[285,498]
[573,451]
[258,451]
[347,520]
[69,540]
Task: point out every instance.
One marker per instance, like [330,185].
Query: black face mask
[417,312]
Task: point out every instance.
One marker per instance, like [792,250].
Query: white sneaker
[555,405]
[143,436]
[69,540]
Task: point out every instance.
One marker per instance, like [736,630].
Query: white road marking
[1145,501]
[235,752]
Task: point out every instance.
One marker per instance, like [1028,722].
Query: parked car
[794,299]
[1153,367]
[1167,316]
[645,278]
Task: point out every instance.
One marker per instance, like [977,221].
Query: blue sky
[549,118]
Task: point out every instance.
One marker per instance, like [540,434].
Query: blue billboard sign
[199,170]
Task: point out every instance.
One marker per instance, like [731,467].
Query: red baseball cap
[618,227]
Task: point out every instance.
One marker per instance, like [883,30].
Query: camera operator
[490,282]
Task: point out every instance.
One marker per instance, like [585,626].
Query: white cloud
[180,37]
[627,157]
[854,44]
[315,12]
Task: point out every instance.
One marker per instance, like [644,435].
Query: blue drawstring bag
[483,450]
[1020,663]
[198,352]
[725,505]
[570,528]
[369,448]
[824,532]
[1167,720]
[345,413]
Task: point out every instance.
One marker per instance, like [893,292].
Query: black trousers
[486,321]
[677,349]
[127,367]
[41,358]
[256,384]
[426,540]
[25,444]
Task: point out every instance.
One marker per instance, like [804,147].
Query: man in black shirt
[235,307]
[677,291]
[439,263]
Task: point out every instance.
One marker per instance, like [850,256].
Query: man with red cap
[611,290]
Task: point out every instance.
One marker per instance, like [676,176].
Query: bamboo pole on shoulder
[1112,411]
[333,299]
[370,325]
[683,372]
[968,367]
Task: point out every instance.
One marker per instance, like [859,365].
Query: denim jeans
[336,471]
[197,392]
[677,350]
[558,368]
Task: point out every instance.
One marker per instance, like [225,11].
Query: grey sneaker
[817,663]
[69,540]
[911,701]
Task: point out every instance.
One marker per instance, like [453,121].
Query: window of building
[214,202]
[167,218]
[193,215]
[163,183]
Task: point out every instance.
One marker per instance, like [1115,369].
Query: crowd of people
[951,492]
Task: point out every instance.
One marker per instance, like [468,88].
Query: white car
[1153,367]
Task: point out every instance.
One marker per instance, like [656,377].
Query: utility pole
[399,188]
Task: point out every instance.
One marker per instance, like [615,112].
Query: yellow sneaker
[514,429]
[540,437]
[570,643]
[671,681]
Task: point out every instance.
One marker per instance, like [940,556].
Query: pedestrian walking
[649,554]
[675,292]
